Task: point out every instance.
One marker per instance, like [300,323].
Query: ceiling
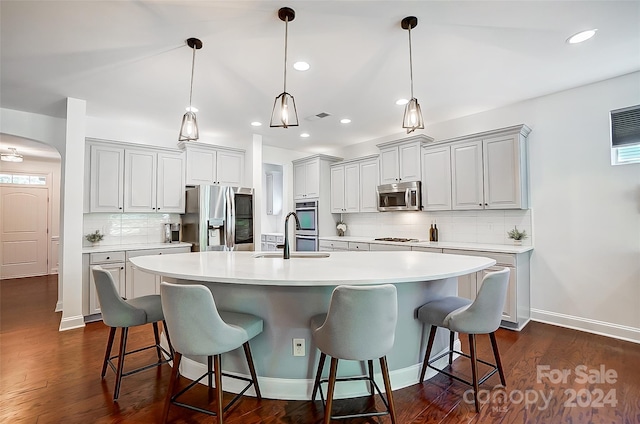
[129,60]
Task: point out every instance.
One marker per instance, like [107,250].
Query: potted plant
[341,227]
[95,237]
[517,235]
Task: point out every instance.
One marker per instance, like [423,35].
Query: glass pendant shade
[11,157]
[284,113]
[412,116]
[189,128]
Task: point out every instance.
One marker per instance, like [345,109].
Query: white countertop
[479,247]
[123,247]
[338,268]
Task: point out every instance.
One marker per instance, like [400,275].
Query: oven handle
[407,197]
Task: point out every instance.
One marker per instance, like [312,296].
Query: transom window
[23,179]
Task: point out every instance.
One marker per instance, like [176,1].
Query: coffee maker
[172,233]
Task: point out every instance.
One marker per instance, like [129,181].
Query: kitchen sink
[293,255]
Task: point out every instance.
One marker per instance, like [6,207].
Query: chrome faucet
[286,233]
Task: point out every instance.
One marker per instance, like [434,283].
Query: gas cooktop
[397,239]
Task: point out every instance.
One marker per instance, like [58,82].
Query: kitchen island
[287,293]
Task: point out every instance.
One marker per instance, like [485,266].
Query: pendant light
[189,127]
[284,113]
[412,119]
[11,157]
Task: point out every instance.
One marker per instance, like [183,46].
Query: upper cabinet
[306,179]
[133,178]
[489,171]
[400,160]
[213,165]
[353,185]
[436,178]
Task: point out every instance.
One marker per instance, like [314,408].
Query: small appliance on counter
[172,233]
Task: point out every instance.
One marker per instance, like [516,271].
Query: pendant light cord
[410,62]
[193,65]
[286,36]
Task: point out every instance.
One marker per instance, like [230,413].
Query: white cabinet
[106,175]
[306,179]
[330,245]
[388,247]
[273,192]
[400,160]
[209,164]
[154,182]
[489,170]
[358,246]
[141,283]
[368,184]
[517,308]
[345,188]
[426,249]
[436,178]
[113,262]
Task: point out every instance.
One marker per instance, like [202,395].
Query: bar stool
[197,328]
[482,316]
[120,313]
[359,326]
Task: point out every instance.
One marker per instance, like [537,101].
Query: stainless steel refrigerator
[218,218]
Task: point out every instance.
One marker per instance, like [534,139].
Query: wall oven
[307,234]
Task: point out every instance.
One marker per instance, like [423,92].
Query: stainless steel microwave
[400,197]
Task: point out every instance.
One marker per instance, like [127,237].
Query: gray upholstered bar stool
[120,313]
[482,316]
[197,328]
[359,326]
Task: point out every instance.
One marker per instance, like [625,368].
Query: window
[625,135]
[23,179]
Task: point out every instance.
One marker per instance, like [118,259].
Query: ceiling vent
[625,126]
[317,117]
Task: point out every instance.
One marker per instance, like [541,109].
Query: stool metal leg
[156,335]
[387,388]
[123,343]
[316,385]
[252,369]
[217,366]
[496,354]
[452,336]
[425,363]
[210,369]
[173,384]
[371,387]
[107,354]
[474,369]
[166,333]
[332,384]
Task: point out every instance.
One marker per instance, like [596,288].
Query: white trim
[58,306]
[71,323]
[622,332]
[300,389]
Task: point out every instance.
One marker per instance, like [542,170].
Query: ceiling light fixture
[11,157]
[345,121]
[412,119]
[256,124]
[304,135]
[301,66]
[402,102]
[284,113]
[581,36]
[189,127]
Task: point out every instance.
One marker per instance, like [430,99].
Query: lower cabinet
[388,247]
[330,245]
[130,281]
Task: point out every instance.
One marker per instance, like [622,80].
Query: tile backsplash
[128,228]
[486,226]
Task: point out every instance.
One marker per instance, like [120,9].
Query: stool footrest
[146,367]
[455,377]
[366,414]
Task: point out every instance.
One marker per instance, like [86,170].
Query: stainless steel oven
[308,215]
[306,243]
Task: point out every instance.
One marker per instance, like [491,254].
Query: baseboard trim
[58,306]
[300,389]
[616,331]
[71,323]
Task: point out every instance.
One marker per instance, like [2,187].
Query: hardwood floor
[52,377]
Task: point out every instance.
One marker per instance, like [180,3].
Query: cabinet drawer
[384,247]
[152,252]
[426,249]
[106,257]
[358,246]
[338,245]
[505,259]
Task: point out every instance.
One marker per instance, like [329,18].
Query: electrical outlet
[298,347]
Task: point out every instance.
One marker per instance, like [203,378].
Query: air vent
[317,116]
[625,126]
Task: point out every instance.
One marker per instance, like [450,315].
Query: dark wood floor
[52,377]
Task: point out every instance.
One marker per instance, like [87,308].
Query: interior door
[23,231]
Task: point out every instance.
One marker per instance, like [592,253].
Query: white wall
[585,269]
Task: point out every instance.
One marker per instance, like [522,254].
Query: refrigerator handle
[230,229]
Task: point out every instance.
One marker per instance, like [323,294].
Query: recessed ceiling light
[191,109]
[304,135]
[345,121]
[581,36]
[256,123]
[301,66]
[402,101]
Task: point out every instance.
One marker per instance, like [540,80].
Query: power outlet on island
[298,347]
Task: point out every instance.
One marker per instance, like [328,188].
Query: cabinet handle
[486,204]
[120,208]
[121,267]
[160,253]
[108,258]
[479,204]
